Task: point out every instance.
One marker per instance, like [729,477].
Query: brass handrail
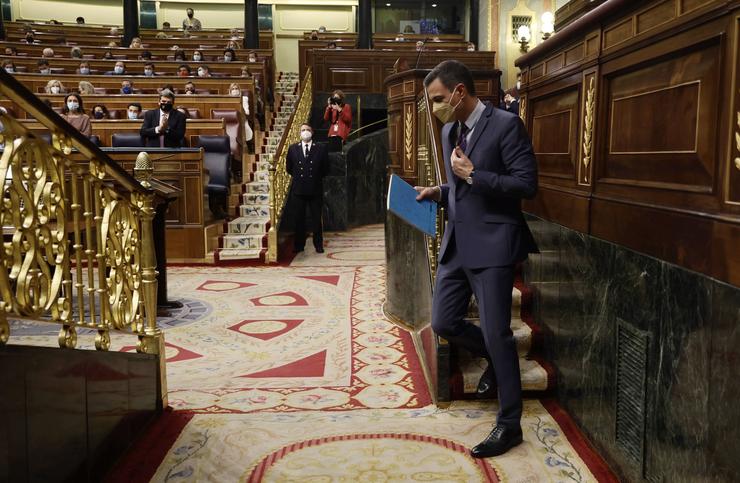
[430,168]
[278,176]
[78,243]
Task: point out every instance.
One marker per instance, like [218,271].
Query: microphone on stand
[418,56]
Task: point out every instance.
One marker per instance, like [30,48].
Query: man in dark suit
[307,162]
[163,127]
[490,167]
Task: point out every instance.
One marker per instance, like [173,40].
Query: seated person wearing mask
[54,87]
[9,66]
[163,127]
[134,111]
[43,67]
[197,56]
[127,87]
[99,111]
[189,88]
[204,71]
[118,69]
[229,55]
[235,90]
[73,113]
[149,69]
[84,68]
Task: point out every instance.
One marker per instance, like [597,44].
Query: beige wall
[94,11]
[290,21]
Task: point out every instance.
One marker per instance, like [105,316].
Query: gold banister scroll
[278,176]
[78,244]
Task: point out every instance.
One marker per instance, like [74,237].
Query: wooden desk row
[136,67]
[190,226]
[105,129]
[364,71]
[194,41]
[216,87]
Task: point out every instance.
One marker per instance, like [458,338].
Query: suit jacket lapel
[480,126]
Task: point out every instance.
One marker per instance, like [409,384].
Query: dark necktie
[462,141]
[305,150]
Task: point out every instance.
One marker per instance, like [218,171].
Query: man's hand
[429,192]
[461,164]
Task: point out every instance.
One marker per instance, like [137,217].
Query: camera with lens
[336,101]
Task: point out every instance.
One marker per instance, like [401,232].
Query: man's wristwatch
[469,179]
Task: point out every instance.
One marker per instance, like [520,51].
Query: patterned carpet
[293,374]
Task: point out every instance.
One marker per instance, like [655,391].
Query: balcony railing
[78,246]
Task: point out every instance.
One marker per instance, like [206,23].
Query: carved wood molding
[588,127]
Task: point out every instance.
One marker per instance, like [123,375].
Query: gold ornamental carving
[78,247]
[408,135]
[588,125]
[523,109]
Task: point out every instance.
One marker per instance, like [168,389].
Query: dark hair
[80,20]
[136,105]
[42,62]
[146,55]
[149,64]
[168,93]
[187,67]
[230,51]
[451,73]
[203,66]
[306,124]
[180,53]
[165,24]
[102,108]
[81,109]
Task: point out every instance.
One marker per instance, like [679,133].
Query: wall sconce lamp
[524,37]
[548,25]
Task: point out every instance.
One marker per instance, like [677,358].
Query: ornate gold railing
[430,171]
[278,176]
[78,246]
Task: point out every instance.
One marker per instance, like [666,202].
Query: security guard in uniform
[308,162]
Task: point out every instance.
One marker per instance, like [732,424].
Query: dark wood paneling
[554,133]
[365,71]
[654,134]
[658,129]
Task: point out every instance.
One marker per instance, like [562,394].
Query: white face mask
[9,70]
[227,58]
[148,72]
[84,70]
[118,69]
[253,59]
[201,73]
[196,57]
[72,106]
[518,84]
[55,89]
[44,71]
[235,92]
[306,135]
[132,115]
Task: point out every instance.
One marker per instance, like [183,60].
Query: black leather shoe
[319,250]
[487,384]
[498,442]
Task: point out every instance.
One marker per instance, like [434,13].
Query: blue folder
[422,215]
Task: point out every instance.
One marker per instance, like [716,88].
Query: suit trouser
[494,339]
[313,202]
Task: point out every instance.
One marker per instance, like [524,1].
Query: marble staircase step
[241,254]
[251,242]
[248,225]
[255,187]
